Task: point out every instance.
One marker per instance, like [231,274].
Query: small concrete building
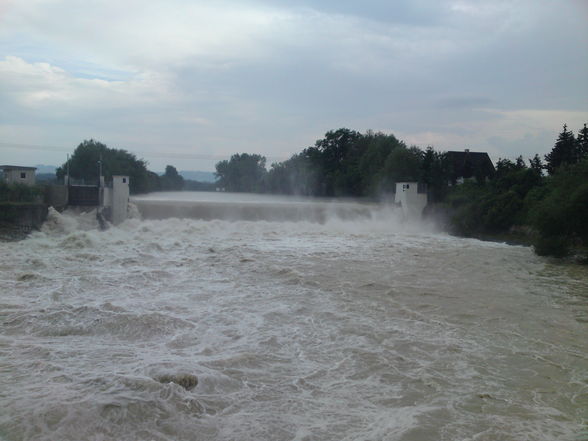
[15,174]
[120,198]
[412,197]
[115,200]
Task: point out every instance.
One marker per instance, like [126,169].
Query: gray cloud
[196,78]
[463,102]
[404,12]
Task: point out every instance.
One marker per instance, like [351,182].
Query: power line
[33,147]
[174,155]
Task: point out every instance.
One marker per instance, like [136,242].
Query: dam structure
[250,207]
[109,199]
[114,200]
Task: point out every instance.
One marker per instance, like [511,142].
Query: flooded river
[302,320]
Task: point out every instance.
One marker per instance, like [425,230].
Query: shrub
[19,192]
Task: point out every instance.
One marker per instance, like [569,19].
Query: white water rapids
[354,326]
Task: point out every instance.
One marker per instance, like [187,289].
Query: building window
[23,175]
[124,180]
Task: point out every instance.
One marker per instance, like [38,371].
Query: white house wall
[412,202]
[15,176]
[120,198]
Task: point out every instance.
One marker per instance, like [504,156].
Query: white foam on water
[345,329]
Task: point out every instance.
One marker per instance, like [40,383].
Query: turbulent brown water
[355,326]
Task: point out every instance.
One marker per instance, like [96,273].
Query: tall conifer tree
[564,151]
[582,141]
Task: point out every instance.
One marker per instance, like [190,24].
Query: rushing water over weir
[302,321]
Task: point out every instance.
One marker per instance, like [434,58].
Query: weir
[247,207]
[110,201]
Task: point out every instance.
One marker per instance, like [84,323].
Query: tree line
[92,157]
[551,209]
[343,163]
[349,163]
[546,197]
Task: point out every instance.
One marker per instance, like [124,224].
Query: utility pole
[100,170]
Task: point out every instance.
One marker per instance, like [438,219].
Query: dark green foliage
[501,211]
[171,180]
[347,163]
[435,172]
[467,202]
[582,141]
[85,164]
[506,166]
[191,185]
[495,206]
[242,173]
[338,158]
[561,216]
[296,175]
[13,196]
[402,165]
[554,246]
[536,164]
[152,182]
[378,147]
[19,192]
[565,151]
[483,209]
[555,207]
[519,181]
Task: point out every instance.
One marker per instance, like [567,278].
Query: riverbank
[447,218]
[525,236]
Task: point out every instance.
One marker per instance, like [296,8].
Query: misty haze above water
[357,327]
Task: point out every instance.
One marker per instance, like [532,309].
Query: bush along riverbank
[521,205]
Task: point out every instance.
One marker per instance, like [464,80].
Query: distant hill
[200,176]
[42,169]
[193,175]
[45,178]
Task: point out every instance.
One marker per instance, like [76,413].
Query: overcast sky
[188,83]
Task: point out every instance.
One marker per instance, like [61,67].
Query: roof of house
[466,164]
[16,167]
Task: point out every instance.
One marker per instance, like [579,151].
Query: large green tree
[565,151]
[242,173]
[561,215]
[297,175]
[348,163]
[171,179]
[403,164]
[435,172]
[338,155]
[92,156]
[582,140]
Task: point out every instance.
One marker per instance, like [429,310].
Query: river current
[302,320]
